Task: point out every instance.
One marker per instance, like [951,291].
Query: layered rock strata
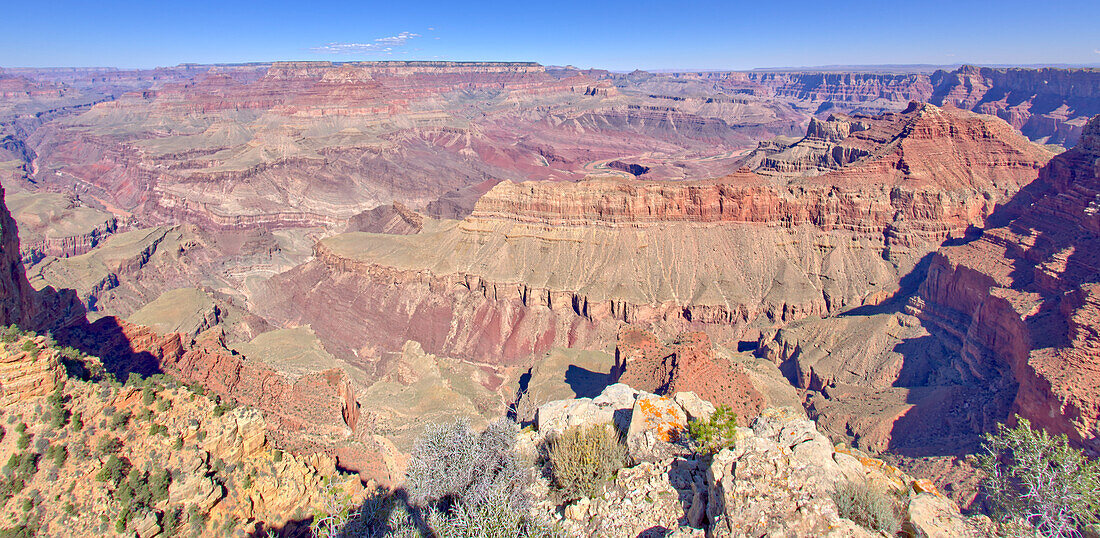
[1020,303]
[541,264]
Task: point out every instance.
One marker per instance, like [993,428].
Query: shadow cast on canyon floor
[106,339]
[953,403]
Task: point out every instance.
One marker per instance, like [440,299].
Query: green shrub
[20,531]
[708,436]
[77,422]
[164,405]
[584,458]
[108,445]
[278,457]
[177,443]
[124,517]
[1039,477]
[22,465]
[196,517]
[29,346]
[114,470]
[10,488]
[158,429]
[59,415]
[170,522]
[159,481]
[58,454]
[10,334]
[119,420]
[220,410]
[23,442]
[869,507]
[148,396]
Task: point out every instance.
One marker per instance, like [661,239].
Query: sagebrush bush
[710,435]
[451,463]
[584,458]
[1040,478]
[460,484]
[867,506]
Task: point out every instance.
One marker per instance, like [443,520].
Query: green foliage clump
[141,489]
[58,454]
[278,456]
[119,420]
[10,334]
[29,346]
[170,523]
[124,517]
[196,517]
[1041,479]
[24,441]
[158,429]
[164,405]
[584,458]
[20,531]
[19,469]
[114,471]
[59,415]
[713,434]
[148,396]
[108,445]
[220,410]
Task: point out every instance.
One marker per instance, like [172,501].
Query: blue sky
[610,34]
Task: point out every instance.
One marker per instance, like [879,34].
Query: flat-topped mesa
[936,171]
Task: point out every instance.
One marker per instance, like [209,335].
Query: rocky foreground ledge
[777,480]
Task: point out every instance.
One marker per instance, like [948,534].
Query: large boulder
[695,407]
[614,404]
[619,398]
[657,429]
[936,516]
[758,489]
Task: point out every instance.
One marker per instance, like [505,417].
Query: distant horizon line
[889,67]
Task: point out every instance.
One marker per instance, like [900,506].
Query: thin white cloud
[1097,51]
[382,45]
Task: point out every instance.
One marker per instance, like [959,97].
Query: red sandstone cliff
[1023,300]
